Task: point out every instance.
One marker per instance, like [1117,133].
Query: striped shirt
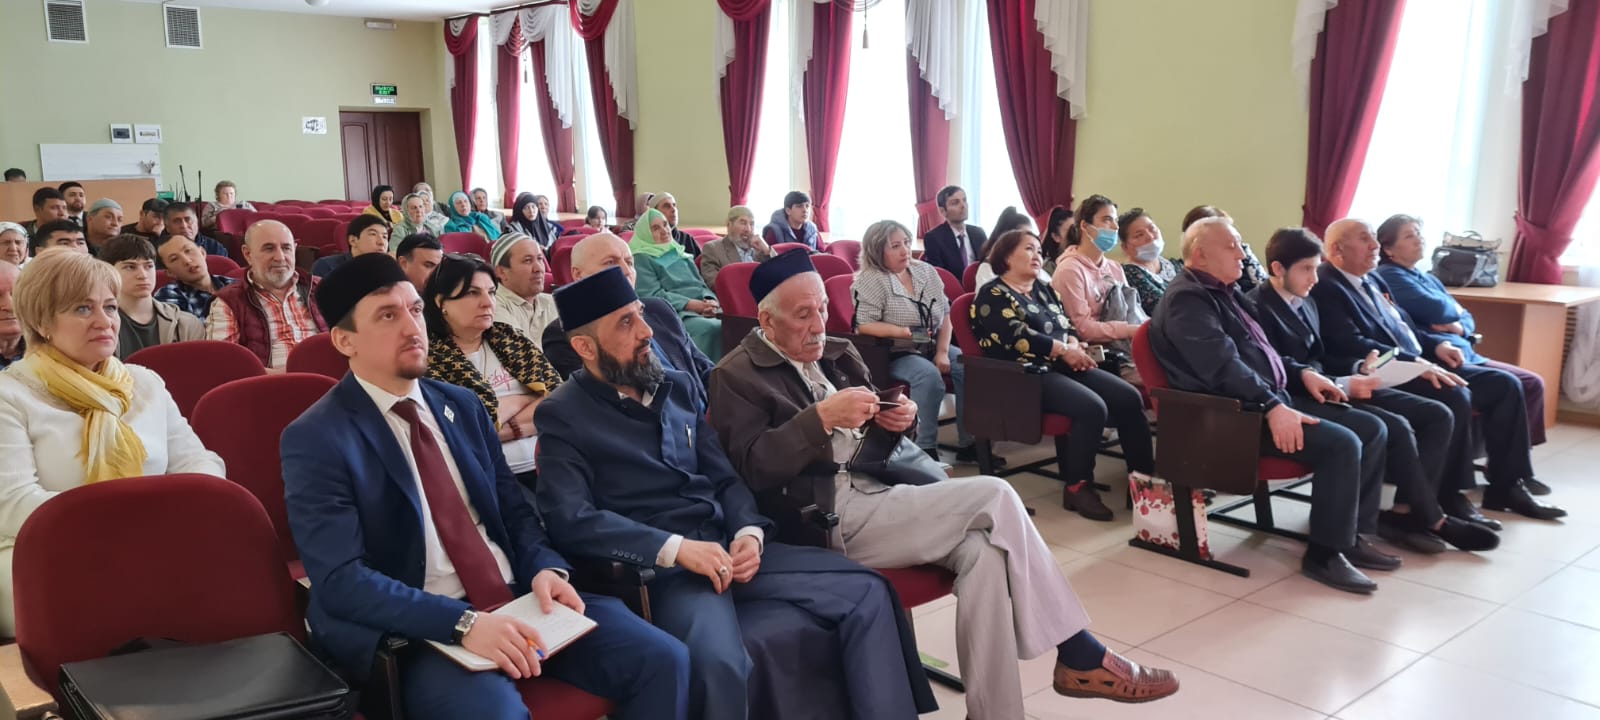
[289,321]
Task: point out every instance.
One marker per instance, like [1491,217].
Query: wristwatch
[464,625]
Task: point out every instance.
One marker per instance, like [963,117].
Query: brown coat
[764,413]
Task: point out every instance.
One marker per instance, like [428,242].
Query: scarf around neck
[111,449]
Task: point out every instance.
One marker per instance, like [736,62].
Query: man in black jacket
[1208,343]
[953,245]
[1418,428]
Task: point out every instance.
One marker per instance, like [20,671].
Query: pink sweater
[1082,285]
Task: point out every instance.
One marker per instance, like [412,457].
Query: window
[533,167]
[1585,247]
[986,173]
[594,184]
[484,168]
[773,175]
[1423,159]
[872,180]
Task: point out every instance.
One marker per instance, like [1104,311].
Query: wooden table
[1525,324]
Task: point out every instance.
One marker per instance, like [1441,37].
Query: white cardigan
[40,443]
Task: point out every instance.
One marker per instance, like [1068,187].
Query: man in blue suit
[630,469]
[1359,316]
[409,523]
[953,245]
[671,341]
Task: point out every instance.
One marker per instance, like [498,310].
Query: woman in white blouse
[71,413]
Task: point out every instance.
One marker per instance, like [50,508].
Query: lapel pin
[450,414]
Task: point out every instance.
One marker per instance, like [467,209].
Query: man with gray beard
[271,311]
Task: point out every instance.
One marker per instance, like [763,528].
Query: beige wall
[232,109]
[678,145]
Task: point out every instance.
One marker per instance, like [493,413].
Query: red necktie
[475,565]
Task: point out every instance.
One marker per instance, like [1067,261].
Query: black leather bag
[892,459]
[1467,260]
[264,677]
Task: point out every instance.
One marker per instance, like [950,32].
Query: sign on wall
[384,94]
[314,125]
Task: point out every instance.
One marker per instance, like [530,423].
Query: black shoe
[1458,506]
[1367,556]
[1515,498]
[1086,502]
[1470,537]
[1337,572]
[1402,531]
[1535,487]
[969,456]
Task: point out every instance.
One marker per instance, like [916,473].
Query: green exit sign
[385,90]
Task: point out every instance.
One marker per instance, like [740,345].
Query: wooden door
[380,148]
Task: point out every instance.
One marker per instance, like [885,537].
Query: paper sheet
[558,629]
[1399,372]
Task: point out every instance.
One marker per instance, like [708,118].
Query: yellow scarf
[111,449]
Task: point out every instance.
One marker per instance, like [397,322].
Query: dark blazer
[939,247]
[354,510]
[1204,347]
[617,479]
[1353,328]
[671,342]
[1290,334]
[1429,303]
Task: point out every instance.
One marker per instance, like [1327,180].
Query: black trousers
[1419,444]
[1346,455]
[1093,398]
[1496,396]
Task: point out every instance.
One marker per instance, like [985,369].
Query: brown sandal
[1118,679]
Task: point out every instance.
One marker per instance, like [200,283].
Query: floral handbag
[1155,518]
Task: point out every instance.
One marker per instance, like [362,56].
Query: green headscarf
[644,243]
[473,219]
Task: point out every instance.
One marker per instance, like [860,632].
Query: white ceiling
[392,9]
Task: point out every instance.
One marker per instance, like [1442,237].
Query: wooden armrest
[1208,441]
[1002,400]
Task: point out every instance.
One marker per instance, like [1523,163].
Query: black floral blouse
[1013,326]
[516,353]
[1151,286]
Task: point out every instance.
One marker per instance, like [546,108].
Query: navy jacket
[354,510]
[1204,347]
[617,479]
[1353,328]
[671,342]
[1429,303]
[1289,333]
[939,248]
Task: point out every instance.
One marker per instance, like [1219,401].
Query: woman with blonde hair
[71,414]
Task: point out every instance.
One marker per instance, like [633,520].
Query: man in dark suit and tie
[409,523]
[630,469]
[1208,343]
[953,245]
[1418,428]
[1359,318]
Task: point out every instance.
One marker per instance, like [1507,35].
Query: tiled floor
[1512,633]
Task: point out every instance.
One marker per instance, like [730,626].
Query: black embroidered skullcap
[357,278]
[770,274]
[593,297]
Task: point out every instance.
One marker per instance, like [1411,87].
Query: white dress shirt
[440,578]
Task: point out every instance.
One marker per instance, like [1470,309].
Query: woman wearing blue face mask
[1147,271]
[1085,279]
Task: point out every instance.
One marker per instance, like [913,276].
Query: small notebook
[558,629]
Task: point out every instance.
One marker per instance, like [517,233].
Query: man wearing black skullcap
[630,470]
[409,523]
[793,406]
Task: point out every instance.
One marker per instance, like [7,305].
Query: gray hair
[875,242]
[1191,237]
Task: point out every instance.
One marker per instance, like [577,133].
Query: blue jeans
[927,390]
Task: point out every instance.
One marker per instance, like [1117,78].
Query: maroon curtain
[930,147]
[1347,79]
[557,139]
[508,108]
[741,91]
[464,96]
[616,135]
[1560,142]
[1041,136]
[827,84]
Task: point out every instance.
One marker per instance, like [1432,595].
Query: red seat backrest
[841,303]
[316,355]
[561,264]
[849,250]
[291,210]
[297,224]
[969,278]
[234,221]
[243,439]
[733,289]
[162,279]
[318,211]
[829,266]
[781,248]
[465,242]
[572,223]
[340,203]
[325,234]
[192,368]
[219,265]
[187,557]
[1144,359]
[961,325]
[952,286]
